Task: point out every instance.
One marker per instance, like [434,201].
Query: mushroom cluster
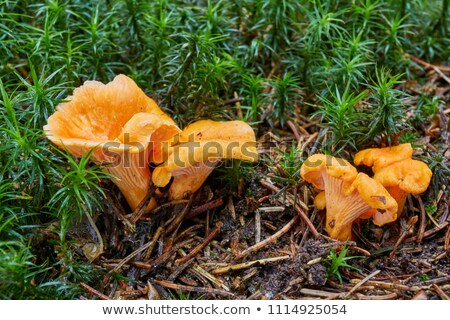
[395,169]
[348,195]
[126,130]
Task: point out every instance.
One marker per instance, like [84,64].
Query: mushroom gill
[348,194]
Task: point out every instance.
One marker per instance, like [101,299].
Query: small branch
[198,248]
[270,239]
[94,292]
[179,218]
[248,264]
[205,207]
[440,292]
[360,283]
[142,206]
[423,217]
[297,208]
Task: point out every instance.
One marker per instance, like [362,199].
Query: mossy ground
[309,76]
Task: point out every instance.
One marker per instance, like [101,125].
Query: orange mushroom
[123,126]
[381,157]
[348,194]
[395,169]
[404,177]
[198,149]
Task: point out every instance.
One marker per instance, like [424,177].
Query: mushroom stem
[132,176]
[399,195]
[342,209]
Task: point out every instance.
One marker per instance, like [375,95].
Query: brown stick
[140,210]
[247,264]
[270,239]
[447,240]
[435,281]
[389,296]
[294,129]
[426,64]
[205,207]
[181,216]
[359,284]
[175,286]
[94,292]
[198,248]
[440,292]
[423,220]
[300,212]
[429,232]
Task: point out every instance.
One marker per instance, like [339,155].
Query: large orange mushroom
[123,126]
[197,150]
[395,169]
[347,194]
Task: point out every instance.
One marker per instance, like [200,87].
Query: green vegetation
[343,61]
[336,261]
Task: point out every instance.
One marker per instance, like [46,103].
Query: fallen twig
[270,239]
[94,292]
[179,218]
[248,264]
[300,212]
[205,207]
[423,220]
[389,296]
[440,292]
[359,284]
[198,248]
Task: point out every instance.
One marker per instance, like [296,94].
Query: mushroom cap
[98,114]
[198,149]
[378,158]
[236,137]
[411,176]
[311,170]
[373,193]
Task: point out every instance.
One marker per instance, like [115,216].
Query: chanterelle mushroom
[348,194]
[395,170]
[123,126]
[198,149]
[381,157]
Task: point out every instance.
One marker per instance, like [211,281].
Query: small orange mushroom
[197,151]
[404,177]
[123,126]
[378,158]
[348,194]
[395,169]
